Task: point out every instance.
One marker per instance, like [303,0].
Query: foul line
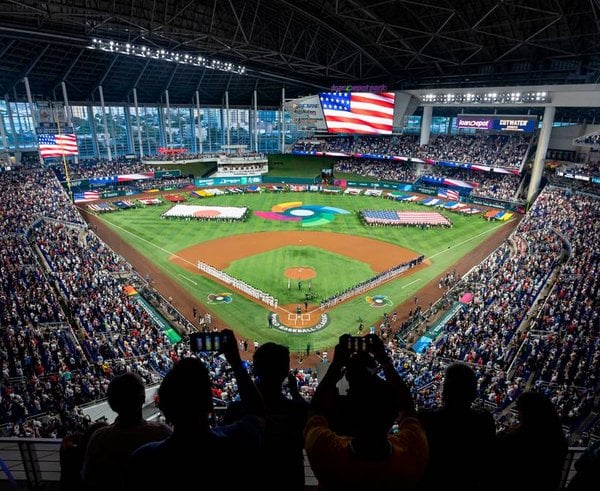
[146,241]
[468,240]
[414,281]
[186,278]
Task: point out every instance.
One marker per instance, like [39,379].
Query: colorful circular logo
[379,301]
[308,215]
[220,298]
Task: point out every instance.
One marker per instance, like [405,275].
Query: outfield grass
[158,239]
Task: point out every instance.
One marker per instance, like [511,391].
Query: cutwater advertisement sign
[497,123]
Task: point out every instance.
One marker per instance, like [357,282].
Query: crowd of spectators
[90,168]
[512,343]
[489,184]
[383,170]
[187,156]
[486,149]
[491,150]
[68,327]
[592,139]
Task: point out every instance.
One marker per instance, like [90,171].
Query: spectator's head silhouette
[271,364]
[126,396]
[538,414]
[185,394]
[373,406]
[460,386]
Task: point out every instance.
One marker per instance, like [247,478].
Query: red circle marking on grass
[207,213]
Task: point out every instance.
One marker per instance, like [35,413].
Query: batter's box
[296,317]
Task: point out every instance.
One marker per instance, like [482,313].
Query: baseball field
[298,265]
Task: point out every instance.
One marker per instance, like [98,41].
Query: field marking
[281,308]
[186,278]
[146,241]
[469,239]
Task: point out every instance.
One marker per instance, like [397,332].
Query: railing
[34,463]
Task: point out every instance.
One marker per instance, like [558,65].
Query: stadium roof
[302,45]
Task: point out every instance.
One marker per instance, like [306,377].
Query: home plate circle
[302,213]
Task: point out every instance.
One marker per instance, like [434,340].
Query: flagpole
[64,156]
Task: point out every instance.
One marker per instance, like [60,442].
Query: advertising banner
[161,174]
[227,181]
[497,123]
[306,113]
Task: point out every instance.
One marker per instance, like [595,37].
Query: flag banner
[448,194]
[57,145]
[358,112]
[86,196]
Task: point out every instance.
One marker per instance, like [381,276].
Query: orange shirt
[337,467]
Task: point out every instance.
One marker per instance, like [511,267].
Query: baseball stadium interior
[328,244]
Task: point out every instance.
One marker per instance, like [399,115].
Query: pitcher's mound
[300,273]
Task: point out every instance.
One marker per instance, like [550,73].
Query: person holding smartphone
[370,457]
[197,452]
[281,465]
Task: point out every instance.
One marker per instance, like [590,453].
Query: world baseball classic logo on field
[379,301]
[220,298]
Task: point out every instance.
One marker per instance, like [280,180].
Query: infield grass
[159,238]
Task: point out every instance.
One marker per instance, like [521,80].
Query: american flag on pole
[358,112]
[57,145]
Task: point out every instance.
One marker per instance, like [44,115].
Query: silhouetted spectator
[281,464]
[531,454]
[373,458]
[109,448]
[460,437]
[72,455]
[196,453]
[587,467]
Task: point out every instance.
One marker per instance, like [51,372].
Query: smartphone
[207,341]
[357,344]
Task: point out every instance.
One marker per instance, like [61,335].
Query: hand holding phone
[213,341]
[355,344]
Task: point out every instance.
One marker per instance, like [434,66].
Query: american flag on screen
[358,112]
[57,145]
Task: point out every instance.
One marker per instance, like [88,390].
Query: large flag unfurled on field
[358,112]
[57,145]
[448,194]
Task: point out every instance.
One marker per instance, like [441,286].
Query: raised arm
[249,393]
[326,390]
[406,405]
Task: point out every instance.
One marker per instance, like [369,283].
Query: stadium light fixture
[485,97]
[165,55]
